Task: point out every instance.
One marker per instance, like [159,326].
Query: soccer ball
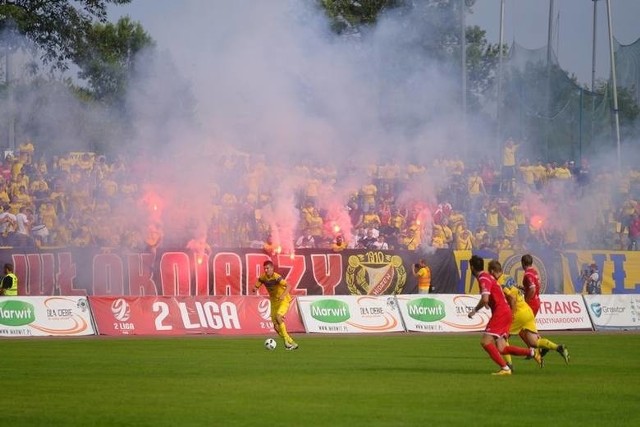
[270,344]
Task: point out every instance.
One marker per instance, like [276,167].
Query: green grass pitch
[387,380]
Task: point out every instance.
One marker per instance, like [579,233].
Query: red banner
[222,315]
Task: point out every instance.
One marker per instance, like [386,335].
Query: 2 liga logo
[121,310]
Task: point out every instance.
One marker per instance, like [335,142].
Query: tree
[106,57]
[53,27]
[437,22]
[482,62]
[350,15]
[117,65]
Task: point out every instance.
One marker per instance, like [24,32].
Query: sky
[526,21]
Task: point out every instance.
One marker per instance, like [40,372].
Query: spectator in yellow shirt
[508,166]
[464,240]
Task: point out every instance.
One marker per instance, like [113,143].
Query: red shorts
[499,324]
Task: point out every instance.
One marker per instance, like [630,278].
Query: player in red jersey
[531,289]
[493,339]
[530,283]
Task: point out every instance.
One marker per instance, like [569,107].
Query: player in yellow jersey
[280,299]
[524,321]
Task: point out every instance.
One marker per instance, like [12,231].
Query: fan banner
[222,315]
[45,316]
[614,311]
[350,314]
[619,271]
[233,271]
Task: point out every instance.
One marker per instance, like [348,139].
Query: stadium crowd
[82,199]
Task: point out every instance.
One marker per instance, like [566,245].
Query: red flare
[537,221]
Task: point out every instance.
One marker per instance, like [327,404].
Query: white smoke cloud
[271,88]
[270,79]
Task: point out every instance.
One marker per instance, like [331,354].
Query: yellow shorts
[523,319]
[280,307]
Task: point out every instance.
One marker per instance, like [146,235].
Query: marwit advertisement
[45,316]
[614,311]
[441,313]
[350,314]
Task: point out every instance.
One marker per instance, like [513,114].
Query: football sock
[494,354]
[276,327]
[284,334]
[516,351]
[507,357]
[545,343]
